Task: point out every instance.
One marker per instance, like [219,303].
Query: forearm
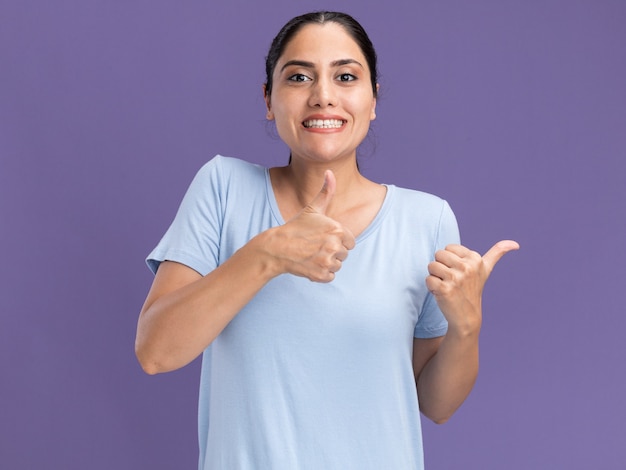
[456,280]
[448,377]
[174,328]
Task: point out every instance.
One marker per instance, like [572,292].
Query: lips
[323,123]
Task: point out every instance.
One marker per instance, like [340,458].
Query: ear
[270,114]
[373,112]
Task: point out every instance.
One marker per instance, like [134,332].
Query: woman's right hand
[311,244]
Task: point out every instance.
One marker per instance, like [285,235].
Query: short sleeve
[193,238]
[431,322]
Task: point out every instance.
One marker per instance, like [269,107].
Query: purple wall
[513,111]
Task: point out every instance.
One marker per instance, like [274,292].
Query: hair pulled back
[352,27]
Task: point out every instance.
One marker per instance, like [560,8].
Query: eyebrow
[310,65]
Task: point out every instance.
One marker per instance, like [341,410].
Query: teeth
[324,123]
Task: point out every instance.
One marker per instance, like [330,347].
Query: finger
[438,270]
[448,258]
[347,239]
[323,198]
[433,283]
[323,279]
[497,251]
[335,266]
[341,255]
[459,250]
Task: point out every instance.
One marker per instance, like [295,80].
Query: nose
[322,94]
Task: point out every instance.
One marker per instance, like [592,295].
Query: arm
[184,312]
[446,368]
[449,367]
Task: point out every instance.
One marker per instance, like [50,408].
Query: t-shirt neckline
[371,228]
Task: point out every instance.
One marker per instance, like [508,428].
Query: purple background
[513,111]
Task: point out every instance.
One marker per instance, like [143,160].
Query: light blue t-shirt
[310,375]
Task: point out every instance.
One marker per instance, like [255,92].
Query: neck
[356,200]
[305,179]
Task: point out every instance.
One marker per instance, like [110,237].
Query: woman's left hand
[457,278]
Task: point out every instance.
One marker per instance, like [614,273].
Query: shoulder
[424,213]
[221,175]
[225,178]
[412,201]
[227,167]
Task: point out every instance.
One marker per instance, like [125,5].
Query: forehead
[322,44]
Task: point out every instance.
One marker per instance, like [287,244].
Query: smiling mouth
[323,123]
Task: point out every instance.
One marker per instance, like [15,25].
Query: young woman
[329,374]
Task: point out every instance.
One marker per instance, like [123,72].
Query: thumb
[322,200]
[497,251]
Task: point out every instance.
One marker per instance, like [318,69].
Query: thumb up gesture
[457,278]
[314,245]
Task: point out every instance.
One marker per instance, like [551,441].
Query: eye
[298,77]
[346,77]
